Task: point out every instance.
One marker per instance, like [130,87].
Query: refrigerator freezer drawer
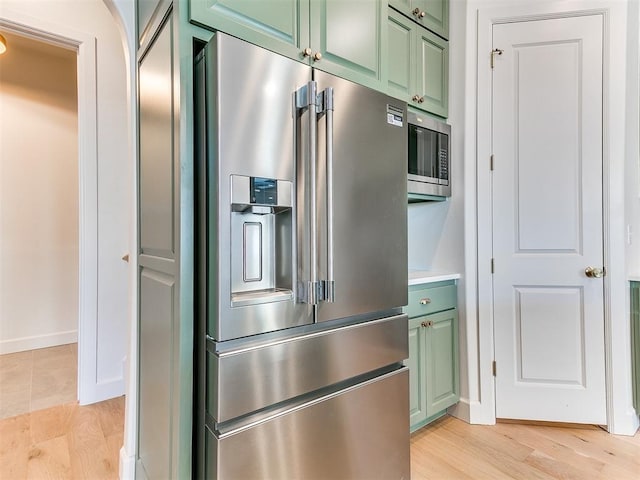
[361,432]
[245,380]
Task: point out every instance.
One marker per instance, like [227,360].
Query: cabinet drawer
[425,300]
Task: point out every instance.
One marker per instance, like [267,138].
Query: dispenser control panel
[264,191]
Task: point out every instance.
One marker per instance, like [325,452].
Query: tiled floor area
[38,379]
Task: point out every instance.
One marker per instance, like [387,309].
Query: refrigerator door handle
[309,289]
[329,284]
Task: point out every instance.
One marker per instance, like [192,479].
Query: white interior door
[547,220]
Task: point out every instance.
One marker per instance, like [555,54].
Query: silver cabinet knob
[425,301]
[415,98]
[317,57]
[416,12]
[594,272]
[306,52]
[421,100]
[421,14]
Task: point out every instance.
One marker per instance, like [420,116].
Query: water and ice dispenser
[261,240]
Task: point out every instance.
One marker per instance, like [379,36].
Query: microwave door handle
[308,285]
[329,284]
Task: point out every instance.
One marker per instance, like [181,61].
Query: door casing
[620,417]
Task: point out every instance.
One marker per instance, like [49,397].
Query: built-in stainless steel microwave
[429,156]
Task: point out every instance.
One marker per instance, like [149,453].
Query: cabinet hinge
[491,162]
[493,368]
[493,269]
[494,52]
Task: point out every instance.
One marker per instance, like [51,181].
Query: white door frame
[621,417]
[85,46]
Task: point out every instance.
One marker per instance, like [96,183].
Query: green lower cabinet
[417,372]
[344,38]
[442,361]
[433,352]
[635,343]
[418,65]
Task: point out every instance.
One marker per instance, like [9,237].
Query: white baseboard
[127,470]
[461,410]
[39,341]
[472,412]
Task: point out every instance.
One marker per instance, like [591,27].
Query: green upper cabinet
[342,37]
[432,78]
[417,66]
[401,70]
[278,25]
[349,35]
[432,14]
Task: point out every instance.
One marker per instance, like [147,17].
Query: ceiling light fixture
[3,45]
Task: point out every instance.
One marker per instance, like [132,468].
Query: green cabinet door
[417,65]
[434,15]
[635,343]
[417,374]
[432,79]
[349,36]
[401,69]
[278,25]
[431,14]
[442,361]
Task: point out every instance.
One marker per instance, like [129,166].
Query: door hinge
[491,162]
[493,56]
[493,266]
[493,368]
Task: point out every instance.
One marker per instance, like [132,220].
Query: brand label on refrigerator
[394,116]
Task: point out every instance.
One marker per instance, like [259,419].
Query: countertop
[632,278]
[417,277]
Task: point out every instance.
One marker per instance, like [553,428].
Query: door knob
[594,272]
[415,98]
[421,100]
[317,56]
[425,301]
[306,52]
[421,14]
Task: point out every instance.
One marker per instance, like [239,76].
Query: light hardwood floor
[453,450]
[63,442]
[72,442]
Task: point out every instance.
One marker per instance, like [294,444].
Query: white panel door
[547,220]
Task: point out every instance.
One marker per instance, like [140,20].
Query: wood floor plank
[90,458]
[14,447]
[49,460]
[51,422]
[502,452]
[549,452]
[598,445]
[522,452]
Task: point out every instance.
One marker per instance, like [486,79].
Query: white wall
[91,19]
[632,186]
[38,196]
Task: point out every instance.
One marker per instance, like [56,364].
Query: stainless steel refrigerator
[301,259]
